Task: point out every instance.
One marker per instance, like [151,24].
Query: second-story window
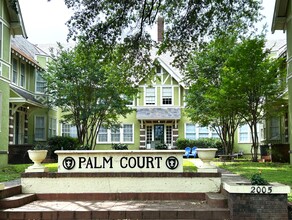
[22,75]
[40,83]
[14,71]
[166,95]
[150,96]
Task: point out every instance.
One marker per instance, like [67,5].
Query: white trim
[155,95]
[121,139]
[172,94]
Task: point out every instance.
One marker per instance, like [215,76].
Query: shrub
[182,143]
[257,179]
[160,146]
[120,147]
[61,143]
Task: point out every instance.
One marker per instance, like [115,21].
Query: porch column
[11,126]
[142,137]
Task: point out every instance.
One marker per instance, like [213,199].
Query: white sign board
[120,161]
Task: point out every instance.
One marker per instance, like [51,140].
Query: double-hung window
[22,75]
[275,128]
[150,96]
[52,127]
[14,71]
[69,130]
[40,130]
[166,95]
[40,83]
[244,134]
[190,131]
[128,133]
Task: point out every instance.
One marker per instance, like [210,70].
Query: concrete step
[10,191]
[216,200]
[86,210]
[17,200]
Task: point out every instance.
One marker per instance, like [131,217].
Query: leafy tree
[233,81]
[190,22]
[89,90]
[260,81]
[210,99]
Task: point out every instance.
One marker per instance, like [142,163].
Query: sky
[45,21]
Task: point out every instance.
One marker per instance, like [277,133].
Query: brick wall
[255,206]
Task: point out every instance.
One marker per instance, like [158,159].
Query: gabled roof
[23,48]
[165,60]
[280,15]
[16,21]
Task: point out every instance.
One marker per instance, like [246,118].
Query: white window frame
[274,125]
[123,133]
[194,133]
[38,81]
[68,130]
[166,97]
[35,128]
[22,74]
[145,96]
[109,133]
[14,70]
[52,127]
[249,140]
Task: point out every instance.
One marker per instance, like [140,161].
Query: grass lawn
[272,172]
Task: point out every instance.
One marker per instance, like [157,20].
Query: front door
[159,134]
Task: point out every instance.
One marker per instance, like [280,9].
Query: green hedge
[182,143]
[62,143]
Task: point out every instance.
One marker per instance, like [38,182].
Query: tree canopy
[189,23]
[90,92]
[233,81]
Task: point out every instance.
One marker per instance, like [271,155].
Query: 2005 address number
[261,189]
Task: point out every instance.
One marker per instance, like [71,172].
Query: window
[214,134]
[125,134]
[158,70]
[275,128]
[39,130]
[40,83]
[244,133]
[150,96]
[14,70]
[130,101]
[166,95]
[203,132]
[168,134]
[149,134]
[102,135]
[128,133]
[190,131]
[52,127]
[22,75]
[69,130]
[115,135]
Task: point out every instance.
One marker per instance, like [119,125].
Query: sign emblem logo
[69,163]
[171,163]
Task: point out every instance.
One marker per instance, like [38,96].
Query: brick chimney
[160,29]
